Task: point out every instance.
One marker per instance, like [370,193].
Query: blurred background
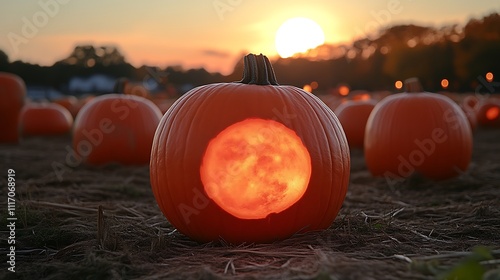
[63,47]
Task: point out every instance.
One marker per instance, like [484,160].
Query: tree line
[460,53]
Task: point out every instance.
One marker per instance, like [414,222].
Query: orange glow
[297,35]
[344,90]
[398,84]
[445,83]
[361,97]
[489,77]
[307,88]
[255,167]
[492,113]
[314,85]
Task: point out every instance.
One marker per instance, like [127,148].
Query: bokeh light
[344,90]
[445,83]
[307,88]
[492,113]
[489,77]
[398,84]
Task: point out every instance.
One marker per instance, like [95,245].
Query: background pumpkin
[69,102]
[13,92]
[488,112]
[353,116]
[45,119]
[470,102]
[417,131]
[115,128]
[188,129]
[471,116]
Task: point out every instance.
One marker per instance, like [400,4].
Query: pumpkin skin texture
[115,128]
[417,131]
[206,113]
[13,92]
[353,116]
[45,119]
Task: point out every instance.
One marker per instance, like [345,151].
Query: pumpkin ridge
[179,106]
[322,159]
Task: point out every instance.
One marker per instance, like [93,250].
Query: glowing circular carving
[255,167]
[492,113]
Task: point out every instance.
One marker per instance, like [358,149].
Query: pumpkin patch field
[77,218]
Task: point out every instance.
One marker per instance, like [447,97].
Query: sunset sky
[202,33]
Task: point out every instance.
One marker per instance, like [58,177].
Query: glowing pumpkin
[115,128]
[488,113]
[249,161]
[45,119]
[420,132]
[13,91]
[353,116]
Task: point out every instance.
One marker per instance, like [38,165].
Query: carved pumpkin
[353,116]
[115,128]
[249,161]
[417,131]
[488,113]
[45,119]
[13,91]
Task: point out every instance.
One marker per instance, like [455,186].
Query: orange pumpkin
[470,102]
[115,128]
[81,102]
[45,119]
[359,95]
[123,85]
[488,113]
[69,102]
[250,161]
[353,116]
[420,132]
[13,91]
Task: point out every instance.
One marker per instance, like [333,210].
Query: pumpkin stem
[258,71]
[119,86]
[413,85]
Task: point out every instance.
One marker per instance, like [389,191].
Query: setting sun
[297,35]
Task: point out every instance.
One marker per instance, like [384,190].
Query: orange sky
[202,33]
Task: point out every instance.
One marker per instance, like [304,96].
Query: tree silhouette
[4,61]
[459,52]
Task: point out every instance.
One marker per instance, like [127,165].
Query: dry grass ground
[103,223]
